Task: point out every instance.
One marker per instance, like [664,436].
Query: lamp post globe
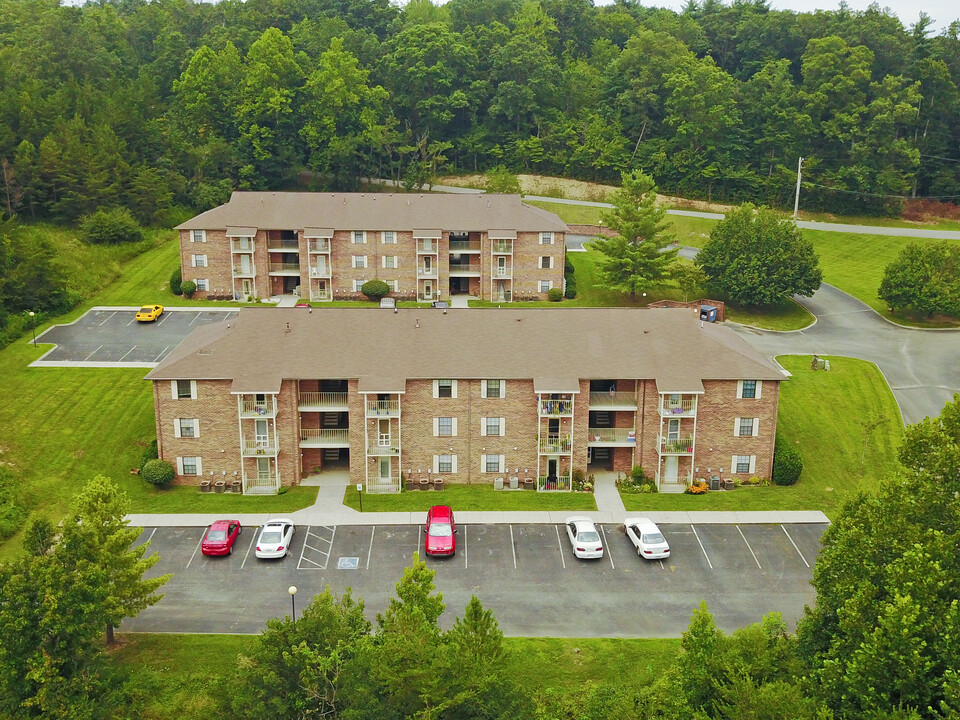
[293,601]
[33,326]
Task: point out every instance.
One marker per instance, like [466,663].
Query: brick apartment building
[324,246]
[465,395]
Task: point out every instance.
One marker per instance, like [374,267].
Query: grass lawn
[470,497]
[176,676]
[826,414]
[788,316]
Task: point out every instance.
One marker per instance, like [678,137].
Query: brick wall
[219,271]
[527,274]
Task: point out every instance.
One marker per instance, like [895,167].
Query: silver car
[275,538]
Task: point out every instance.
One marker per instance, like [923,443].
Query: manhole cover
[348,563]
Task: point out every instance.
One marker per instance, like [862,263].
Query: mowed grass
[469,497]
[179,676]
[828,417]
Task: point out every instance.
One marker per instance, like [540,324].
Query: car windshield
[440,530]
[215,535]
[653,538]
[588,536]
[270,537]
[145,309]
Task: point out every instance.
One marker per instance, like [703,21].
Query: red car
[441,532]
[220,537]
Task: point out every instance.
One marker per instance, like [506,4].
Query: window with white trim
[444,388]
[184,389]
[358,285]
[389,261]
[743,463]
[444,463]
[546,285]
[491,463]
[198,236]
[198,260]
[188,427]
[493,388]
[749,389]
[202,284]
[746,427]
[359,261]
[546,238]
[445,426]
[546,262]
[358,237]
[190,466]
[388,237]
[493,426]
[395,284]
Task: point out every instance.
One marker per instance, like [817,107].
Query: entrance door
[670,465]
[263,468]
[246,289]
[245,264]
[501,266]
[262,433]
[385,469]
[552,469]
[428,290]
[383,436]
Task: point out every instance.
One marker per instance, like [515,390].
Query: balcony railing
[676,446]
[319,437]
[502,247]
[241,245]
[318,245]
[285,268]
[555,445]
[320,271]
[685,407]
[682,480]
[428,246]
[383,408]
[244,272]
[503,272]
[612,400]
[556,408]
[323,401]
[255,409]
[253,447]
[316,294]
[464,269]
[282,245]
[380,484]
[423,272]
[501,296]
[611,436]
[464,246]
[560,483]
[381,448]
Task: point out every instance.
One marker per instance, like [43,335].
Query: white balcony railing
[503,272]
[391,447]
[285,268]
[556,408]
[278,245]
[502,247]
[320,271]
[258,446]
[242,245]
[258,408]
[611,436]
[676,446]
[322,437]
[504,296]
[383,408]
[381,484]
[244,272]
[613,400]
[323,401]
[423,272]
[318,245]
[686,406]
[554,445]
[428,247]
[560,483]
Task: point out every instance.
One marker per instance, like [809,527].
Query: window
[389,261]
[445,427]
[202,284]
[445,389]
[198,236]
[358,237]
[493,426]
[358,285]
[745,427]
[493,463]
[395,284]
[546,238]
[188,427]
[359,261]
[744,463]
[444,463]
[189,466]
[388,237]
[493,389]
[546,262]
[749,388]
[199,260]
[545,285]
[184,389]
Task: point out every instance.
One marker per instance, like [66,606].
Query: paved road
[525,573]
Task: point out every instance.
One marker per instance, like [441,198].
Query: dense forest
[166,106]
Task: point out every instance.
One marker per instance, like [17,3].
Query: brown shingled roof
[265,345]
[376,211]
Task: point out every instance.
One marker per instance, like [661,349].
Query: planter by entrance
[424,484]
[727,484]
[204,486]
[438,484]
[236,486]
[410,485]
[219,486]
[528,483]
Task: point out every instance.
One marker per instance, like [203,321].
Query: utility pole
[796,201]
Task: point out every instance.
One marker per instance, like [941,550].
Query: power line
[807,183]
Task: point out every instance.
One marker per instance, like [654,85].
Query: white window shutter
[196,427]
[193,261]
[501,463]
[756,428]
[736,427]
[483,388]
[176,427]
[436,388]
[199,466]
[551,262]
[739,389]
[733,463]
[193,389]
[753,464]
[173,389]
[453,463]
[483,463]
[759,388]
[179,466]
[436,463]
[396,261]
[483,426]
[503,388]
[453,428]
[436,427]
[503,426]
[453,390]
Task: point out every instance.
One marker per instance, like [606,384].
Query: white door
[427,290]
[427,264]
[670,464]
[383,439]
[384,468]
[245,264]
[263,468]
[673,429]
[501,266]
[246,289]
[263,435]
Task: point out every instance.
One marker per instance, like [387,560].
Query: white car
[275,538]
[647,538]
[584,538]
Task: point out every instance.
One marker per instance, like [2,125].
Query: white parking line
[157,358]
[370,550]
[92,354]
[127,353]
[607,546]
[152,532]
[108,318]
[306,536]
[464,547]
[132,321]
[794,546]
[196,548]
[564,562]
[513,548]
[247,553]
[706,557]
[748,547]
[197,317]
[165,316]
[417,548]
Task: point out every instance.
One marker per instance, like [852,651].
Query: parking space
[527,574]
[105,336]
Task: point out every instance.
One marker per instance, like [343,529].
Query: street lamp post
[293,601]
[33,326]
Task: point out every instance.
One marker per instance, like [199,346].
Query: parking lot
[105,337]
[527,574]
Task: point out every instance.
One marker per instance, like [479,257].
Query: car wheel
[639,553]
[230,550]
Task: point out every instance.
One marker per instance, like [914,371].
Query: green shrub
[158,473]
[110,227]
[150,453]
[570,292]
[188,288]
[555,295]
[176,280]
[375,289]
[787,463]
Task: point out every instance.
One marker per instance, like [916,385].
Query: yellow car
[149,313]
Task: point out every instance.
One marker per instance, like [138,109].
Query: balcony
[556,408]
[260,483]
[674,484]
[611,437]
[255,409]
[501,296]
[423,272]
[684,407]
[323,401]
[384,447]
[554,445]
[676,446]
[278,245]
[244,272]
[253,447]
[320,271]
[464,269]
[381,484]
[428,247]
[613,401]
[318,245]
[502,247]
[320,294]
[503,272]
[317,437]
[383,408]
[241,245]
[560,483]
[465,246]
[284,268]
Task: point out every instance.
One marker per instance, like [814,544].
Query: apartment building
[468,396]
[325,246]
